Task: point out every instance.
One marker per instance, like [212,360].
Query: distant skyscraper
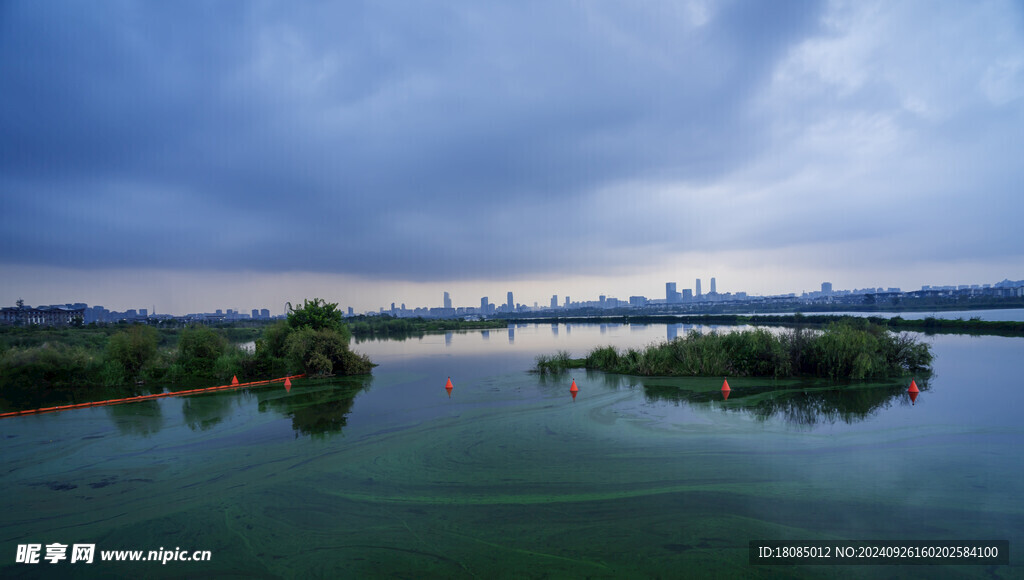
[511,305]
[483,305]
[566,301]
[265,313]
[687,295]
[697,290]
[826,288]
[447,300]
[713,291]
[255,314]
[670,291]
[554,300]
[350,311]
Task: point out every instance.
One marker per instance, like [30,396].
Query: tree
[316,341]
[317,314]
[198,350]
[132,348]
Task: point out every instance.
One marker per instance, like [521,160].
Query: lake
[510,476]
[994,314]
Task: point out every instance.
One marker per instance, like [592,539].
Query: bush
[323,352]
[48,366]
[557,363]
[131,349]
[198,350]
[846,350]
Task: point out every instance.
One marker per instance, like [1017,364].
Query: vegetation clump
[845,350]
[317,341]
[556,363]
[313,340]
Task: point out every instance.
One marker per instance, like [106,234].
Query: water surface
[511,477]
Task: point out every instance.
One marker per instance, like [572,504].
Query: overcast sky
[202,155]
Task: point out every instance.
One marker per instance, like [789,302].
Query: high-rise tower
[713,291]
[697,289]
[447,300]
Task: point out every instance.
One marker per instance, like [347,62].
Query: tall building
[566,301]
[511,305]
[554,300]
[826,288]
[670,291]
[483,305]
[447,300]
[255,314]
[265,313]
[697,290]
[713,290]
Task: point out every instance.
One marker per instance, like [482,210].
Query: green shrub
[198,350]
[323,352]
[847,350]
[132,348]
[48,365]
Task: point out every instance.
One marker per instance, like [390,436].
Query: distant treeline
[928,325]
[386,326]
[851,349]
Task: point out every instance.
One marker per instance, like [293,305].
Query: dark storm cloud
[402,140]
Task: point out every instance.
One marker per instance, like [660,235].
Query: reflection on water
[511,334]
[317,409]
[672,331]
[803,402]
[795,402]
[202,412]
[143,418]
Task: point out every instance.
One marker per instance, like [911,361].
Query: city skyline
[184,156]
[672,296]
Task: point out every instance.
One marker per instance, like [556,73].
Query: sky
[187,156]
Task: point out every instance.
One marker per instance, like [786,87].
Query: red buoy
[448,387]
[573,390]
[913,387]
[725,386]
[234,379]
[288,385]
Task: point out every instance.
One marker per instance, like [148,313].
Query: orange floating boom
[146,397]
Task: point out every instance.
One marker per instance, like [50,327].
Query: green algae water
[510,477]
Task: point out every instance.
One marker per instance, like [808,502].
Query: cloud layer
[402,141]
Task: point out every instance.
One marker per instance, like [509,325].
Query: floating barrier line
[146,397]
